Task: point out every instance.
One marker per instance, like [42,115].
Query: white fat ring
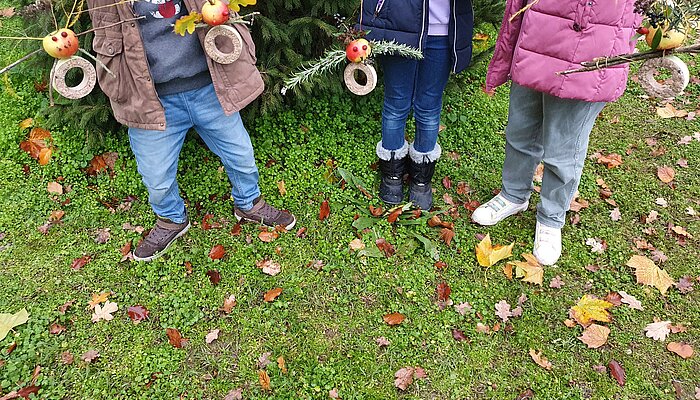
[672,86]
[351,81]
[213,51]
[61,68]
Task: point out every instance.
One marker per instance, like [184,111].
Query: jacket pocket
[109,51]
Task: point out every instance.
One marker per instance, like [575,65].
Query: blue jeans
[157,152]
[418,85]
[555,131]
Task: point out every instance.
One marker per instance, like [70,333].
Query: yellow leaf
[590,309]
[488,255]
[26,123]
[282,364]
[649,274]
[235,5]
[529,270]
[188,23]
[98,298]
[44,156]
[282,188]
[595,336]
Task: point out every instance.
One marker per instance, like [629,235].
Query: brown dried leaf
[385,247]
[217,252]
[540,360]
[268,236]
[682,349]
[272,294]
[595,336]
[264,380]
[214,276]
[394,319]
[324,211]
[617,372]
[175,338]
[666,174]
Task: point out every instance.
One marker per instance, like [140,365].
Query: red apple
[215,12]
[358,50]
[61,44]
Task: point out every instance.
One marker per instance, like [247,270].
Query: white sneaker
[496,210]
[547,247]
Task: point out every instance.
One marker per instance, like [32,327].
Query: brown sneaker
[265,214]
[159,239]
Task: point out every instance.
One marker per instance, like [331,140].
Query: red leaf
[175,338]
[214,276]
[385,247]
[447,183]
[79,262]
[325,210]
[440,265]
[137,313]
[217,252]
[236,231]
[459,335]
[205,221]
[27,390]
[394,215]
[472,205]
[617,372]
[376,211]
[614,298]
[301,233]
[443,291]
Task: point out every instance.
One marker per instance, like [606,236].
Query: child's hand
[489,92]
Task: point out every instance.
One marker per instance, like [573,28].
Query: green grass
[326,321]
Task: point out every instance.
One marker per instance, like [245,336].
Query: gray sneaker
[159,239]
[265,214]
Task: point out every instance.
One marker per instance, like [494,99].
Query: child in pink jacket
[551,116]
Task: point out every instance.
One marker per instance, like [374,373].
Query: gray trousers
[555,131]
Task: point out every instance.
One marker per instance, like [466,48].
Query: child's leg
[523,143]
[227,138]
[157,154]
[399,83]
[567,125]
[433,74]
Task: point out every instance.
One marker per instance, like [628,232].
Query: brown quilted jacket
[131,91]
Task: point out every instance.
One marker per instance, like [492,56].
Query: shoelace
[268,212]
[496,204]
[157,235]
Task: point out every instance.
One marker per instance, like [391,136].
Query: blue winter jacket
[406,21]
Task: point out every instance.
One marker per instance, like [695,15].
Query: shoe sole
[160,253]
[517,211]
[286,228]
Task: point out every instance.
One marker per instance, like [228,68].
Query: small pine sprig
[334,58]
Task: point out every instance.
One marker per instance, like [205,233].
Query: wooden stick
[522,10]
[109,26]
[605,62]
[21,60]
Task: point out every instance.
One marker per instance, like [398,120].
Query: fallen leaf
[570,323]
[137,313]
[394,319]
[556,282]
[90,356]
[175,338]
[333,394]
[508,270]
[615,214]
[680,328]
[611,160]
[685,285]
[463,308]
[269,267]
[217,252]
[680,231]
[614,298]
[482,328]
[282,188]
[617,372]
[268,236]
[385,247]
[80,262]
[235,394]
[682,349]
[272,294]
[102,163]
[540,360]
[264,380]
[54,188]
[596,245]
[577,204]
[324,211]
[595,336]
[631,301]
[661,202]
[488,255]
[529,270]
[648,273]
[36,145]
[212,336]
[56,329]
[443,291]
[356,244]
[590,309]
[526,395]
[103,236]
[229,303]
[503,310]
[658,330]
[264,360]
[459,336]
[65,306]
[214,276]
[669,111]
[281,364]
[382,341]
[67,358]
[601,369]
[104,312]
[394,215]
[666,174]
[447,235]
[98,298]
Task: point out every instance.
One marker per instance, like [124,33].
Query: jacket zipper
[425,18]
[454,44]
[380,4]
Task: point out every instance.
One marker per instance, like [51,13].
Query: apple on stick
[61,44]
[215,12]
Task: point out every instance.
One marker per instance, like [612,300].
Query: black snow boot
[421,168]
[392,166]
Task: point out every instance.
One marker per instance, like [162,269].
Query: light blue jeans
[157,152]
[555,131]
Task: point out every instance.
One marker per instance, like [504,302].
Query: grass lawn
[327,320]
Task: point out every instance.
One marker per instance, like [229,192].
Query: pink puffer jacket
[557,35]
